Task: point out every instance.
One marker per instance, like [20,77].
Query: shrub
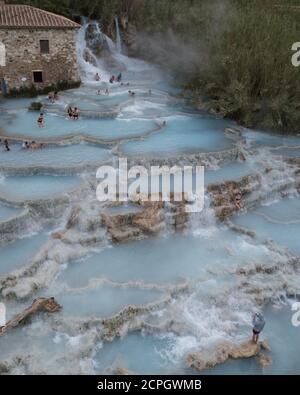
[35,106]
[32,91]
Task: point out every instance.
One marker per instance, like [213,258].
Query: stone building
[36,48]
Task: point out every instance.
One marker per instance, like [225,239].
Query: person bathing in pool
[76,114]
[35,145]
[41,121]
[70,112]
[51,97]
[6,145]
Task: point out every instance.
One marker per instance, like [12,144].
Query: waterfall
[2,314]
[97,53]
[89,62]
[118,36]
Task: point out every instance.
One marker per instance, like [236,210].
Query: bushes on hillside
[33,91]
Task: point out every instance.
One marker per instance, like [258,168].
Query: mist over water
[193,289]
[181,53]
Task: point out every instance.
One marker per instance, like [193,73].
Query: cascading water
[89,62]
[118,36]
[198,287]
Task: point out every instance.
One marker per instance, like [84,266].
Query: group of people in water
[25,145]
[6,145]
[112,79]
[33,145]
[53,97]
[73,113]
[115,79]
[106,92]
[41,120]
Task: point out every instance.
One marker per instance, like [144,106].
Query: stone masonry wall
[23,56]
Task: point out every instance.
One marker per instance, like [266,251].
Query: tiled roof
[24,16]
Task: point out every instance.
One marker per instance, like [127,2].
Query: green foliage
[32,91]
[35,106]
[104,9]
[243,63]
[23,92]
[241,50]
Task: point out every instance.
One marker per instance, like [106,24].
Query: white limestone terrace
[144,304]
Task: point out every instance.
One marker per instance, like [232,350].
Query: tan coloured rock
[74,217]
[223,195]
[226,351]
[123,372]
[264,360]
[49,305]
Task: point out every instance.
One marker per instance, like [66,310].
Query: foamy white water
[191,286]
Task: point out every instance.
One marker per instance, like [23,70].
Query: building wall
[23,56]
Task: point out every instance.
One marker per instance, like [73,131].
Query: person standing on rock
[258,323]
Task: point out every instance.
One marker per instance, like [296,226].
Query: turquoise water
[285,354]
[166,260]
[258,138]
[7,212]
[148,108]
[24,124]
[123,209]
[89,99]
[126,354]
[104,301]
[230,171]
[56,156]
[198,273]
[279,222]
[288,152]
[16,104]
[36,187]
[182,135]
[158,355]
[20,253]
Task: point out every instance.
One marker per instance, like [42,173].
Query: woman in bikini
[76,114]
[70,112]
[41,121]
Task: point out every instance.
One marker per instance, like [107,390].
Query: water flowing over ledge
[136,276]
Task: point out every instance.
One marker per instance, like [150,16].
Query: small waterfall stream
[118,36]
[198,286]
